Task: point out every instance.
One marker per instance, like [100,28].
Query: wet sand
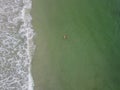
[77,45]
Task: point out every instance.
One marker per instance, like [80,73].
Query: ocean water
[16,45]
[90,58]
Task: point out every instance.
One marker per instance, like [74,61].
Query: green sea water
[89,59]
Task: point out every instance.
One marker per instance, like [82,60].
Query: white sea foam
[16,45]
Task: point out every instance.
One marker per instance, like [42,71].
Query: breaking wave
[16,45]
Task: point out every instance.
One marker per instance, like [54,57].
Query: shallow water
[15,45]
[89,58]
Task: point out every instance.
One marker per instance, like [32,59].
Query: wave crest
[16,45]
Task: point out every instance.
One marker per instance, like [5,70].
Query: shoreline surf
[16,45]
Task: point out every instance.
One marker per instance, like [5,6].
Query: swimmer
[65,37]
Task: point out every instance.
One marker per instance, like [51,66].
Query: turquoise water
[89,58]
